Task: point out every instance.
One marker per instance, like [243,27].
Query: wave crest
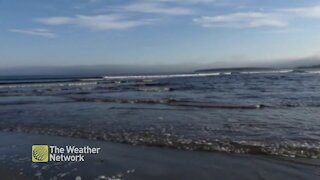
[168,140]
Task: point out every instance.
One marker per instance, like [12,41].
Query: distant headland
[253,69]
[240,69]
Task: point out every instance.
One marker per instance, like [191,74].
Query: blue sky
[157,32]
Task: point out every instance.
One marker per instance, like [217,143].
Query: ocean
[268,114]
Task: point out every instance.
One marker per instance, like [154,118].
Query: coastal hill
[309,67]
[251,69]
[240,69]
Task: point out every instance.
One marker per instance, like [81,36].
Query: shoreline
[124,161]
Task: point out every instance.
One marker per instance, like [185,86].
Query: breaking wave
[168,140]
[162,76]
[171,102]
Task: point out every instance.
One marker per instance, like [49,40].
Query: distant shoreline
[252,69]
[240,69]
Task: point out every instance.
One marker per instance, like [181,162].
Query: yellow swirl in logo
[40,153]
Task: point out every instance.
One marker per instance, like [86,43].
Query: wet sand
[121,161]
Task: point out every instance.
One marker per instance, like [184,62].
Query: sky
[222,33]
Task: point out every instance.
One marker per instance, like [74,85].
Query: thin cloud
[311,12]
[156,8]
[206,3]
[55,20]
[98,22]
[242,20]
[188,1]
[277,18]
[35,32]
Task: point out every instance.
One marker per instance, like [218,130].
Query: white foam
[91,79]
[197,74]
[268,72]
[313,72]
[162,76]
[48,84]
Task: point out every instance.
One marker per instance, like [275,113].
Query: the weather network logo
[40,153]
[46,153]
